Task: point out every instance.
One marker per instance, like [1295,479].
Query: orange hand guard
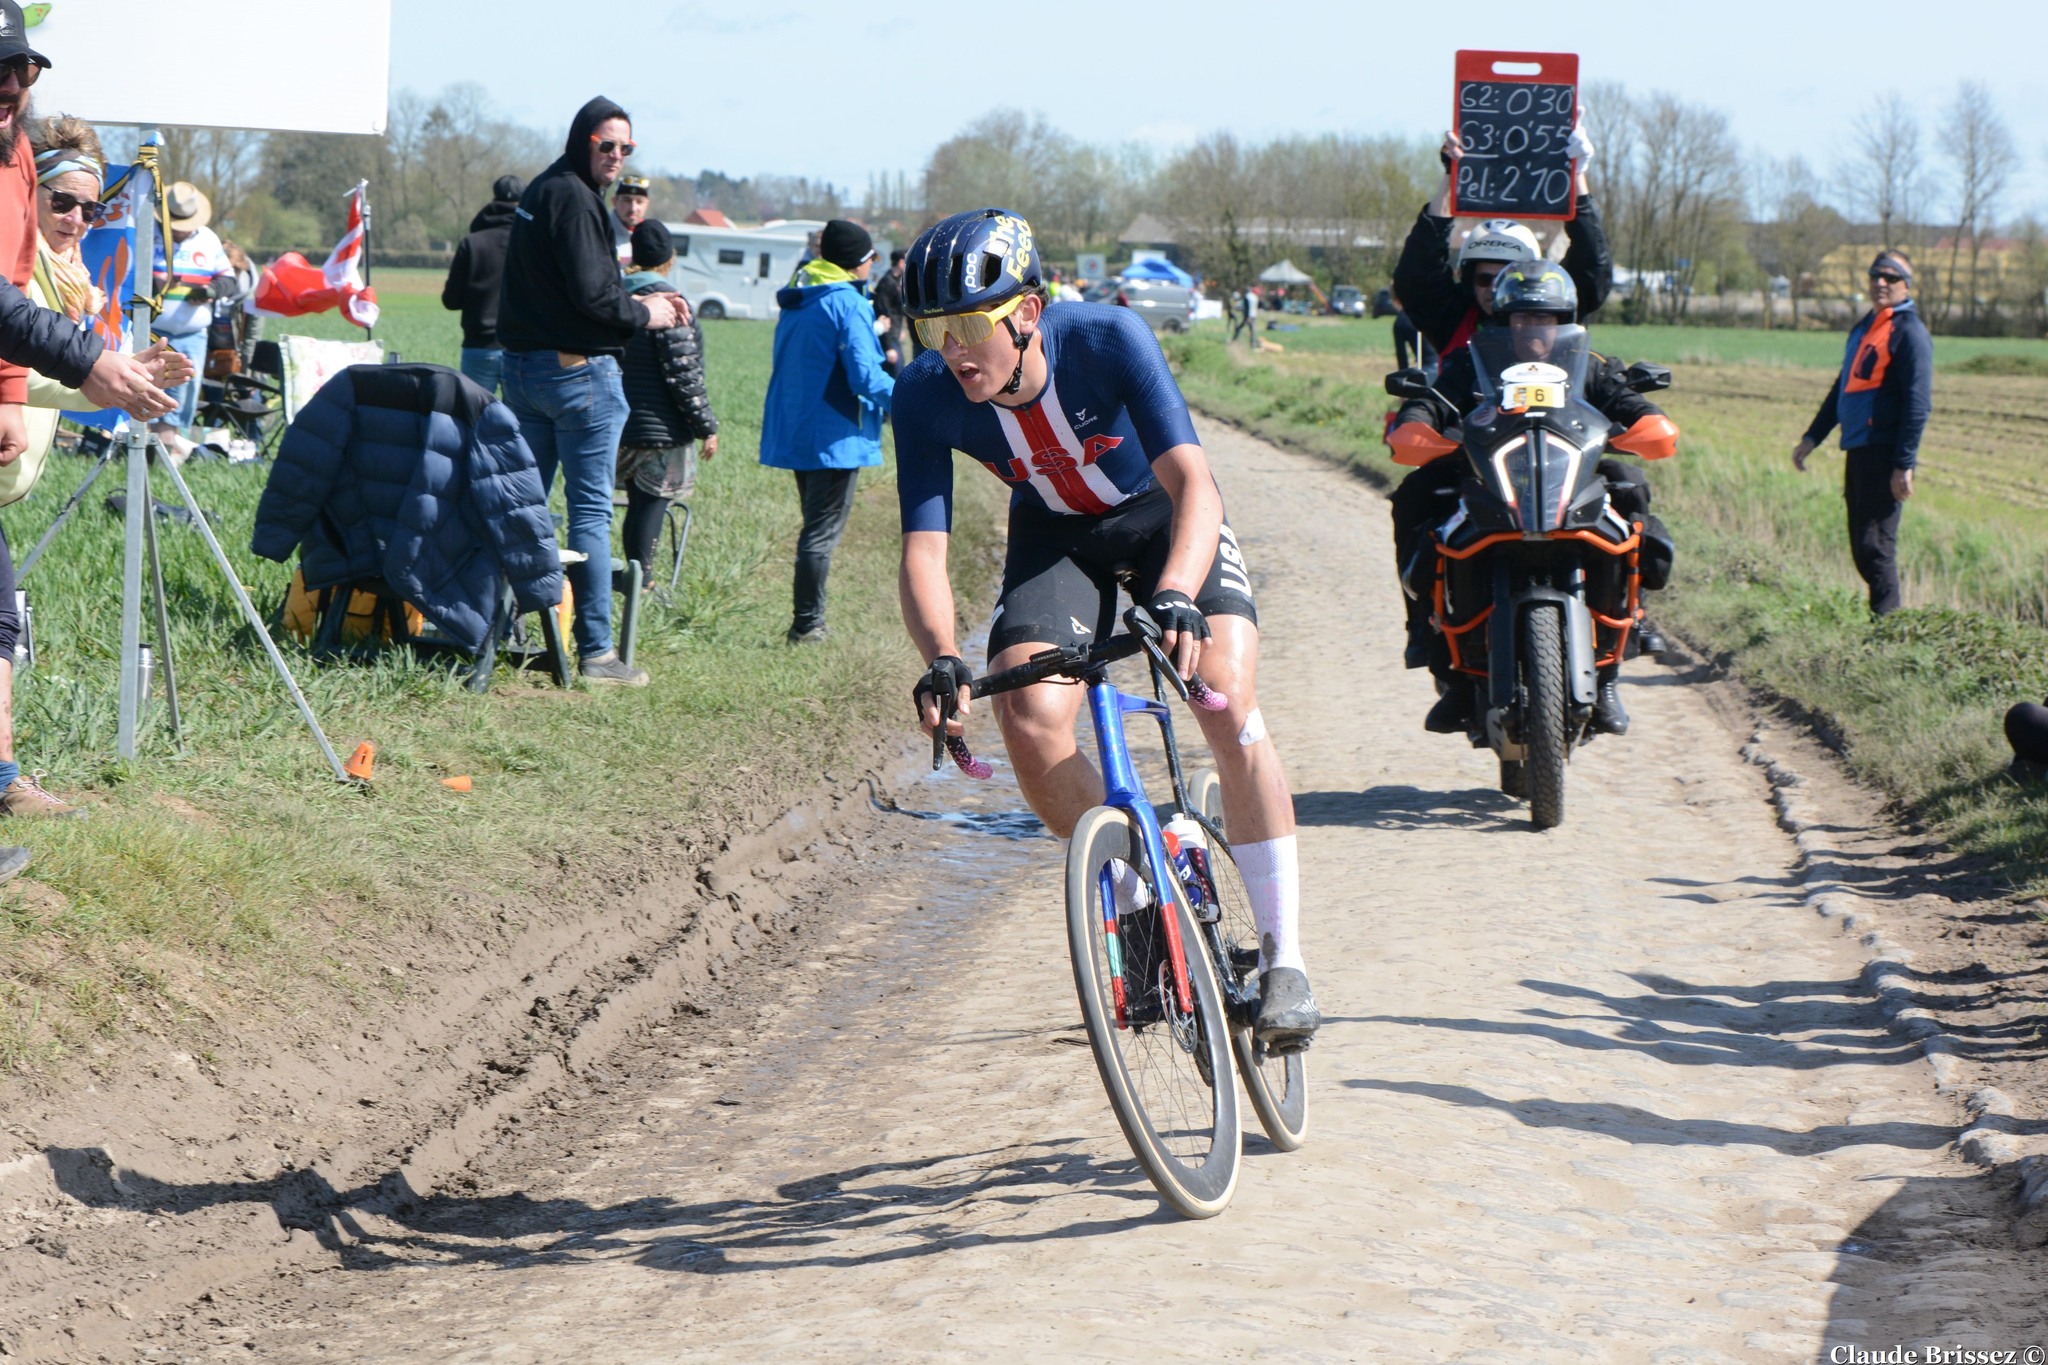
[1653,438]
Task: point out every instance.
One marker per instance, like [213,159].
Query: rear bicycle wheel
[1276,1085]
[1165,1068]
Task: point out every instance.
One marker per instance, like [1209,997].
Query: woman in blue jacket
[827,395]
[1881,402]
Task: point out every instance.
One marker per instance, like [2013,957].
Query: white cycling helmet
[1499,239]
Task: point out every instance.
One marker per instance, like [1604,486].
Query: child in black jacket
[669,418]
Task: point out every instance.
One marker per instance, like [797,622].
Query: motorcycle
[1534,581]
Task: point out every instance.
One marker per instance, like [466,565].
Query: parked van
[734,272]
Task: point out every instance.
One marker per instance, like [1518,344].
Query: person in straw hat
[197,260]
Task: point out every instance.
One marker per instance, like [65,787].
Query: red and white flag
[293,286]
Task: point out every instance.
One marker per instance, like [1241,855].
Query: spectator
[475,278]
[1881,402]
[669,417]
[564,321]
[888,293]
[629,210]
[827,394]
[197,260]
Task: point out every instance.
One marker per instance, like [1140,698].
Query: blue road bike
[1168,989]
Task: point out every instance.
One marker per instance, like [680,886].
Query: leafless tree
[1982,161]
[1669,176]
[1211,194]
[1075,195]
[1797,230]
[1884,176]
[224,163]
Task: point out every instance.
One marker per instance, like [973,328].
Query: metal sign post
[135,445]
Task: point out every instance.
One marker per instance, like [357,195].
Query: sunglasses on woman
[62,202]
[26,69]
[606,146]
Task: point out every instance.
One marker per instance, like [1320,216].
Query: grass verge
[213,882]
[1764,581]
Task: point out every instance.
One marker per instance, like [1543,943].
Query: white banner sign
[296,65]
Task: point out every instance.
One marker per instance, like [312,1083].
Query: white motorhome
[734,272]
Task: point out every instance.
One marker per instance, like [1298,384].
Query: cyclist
[1447,303]
[1075,409]
[1534,300]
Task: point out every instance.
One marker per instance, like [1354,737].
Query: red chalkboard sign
[1513,119]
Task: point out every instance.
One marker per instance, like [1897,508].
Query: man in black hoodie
[474,278]
[564,321]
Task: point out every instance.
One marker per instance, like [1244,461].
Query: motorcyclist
[1448,301]
[1533,300]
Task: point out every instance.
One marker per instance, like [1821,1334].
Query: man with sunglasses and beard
[564,320]
[1074,407]
[1881,402]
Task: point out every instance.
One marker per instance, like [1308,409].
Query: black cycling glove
[948,671]
[1176,611]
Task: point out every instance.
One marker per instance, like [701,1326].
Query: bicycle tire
[1154,1073]
[1276,1086]
[1543,727]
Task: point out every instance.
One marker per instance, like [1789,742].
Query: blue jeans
[191,345]
[486,367]
[573,418]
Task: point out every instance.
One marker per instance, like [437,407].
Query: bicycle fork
[1107,708]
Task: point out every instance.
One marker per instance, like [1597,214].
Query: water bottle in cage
[1189,848]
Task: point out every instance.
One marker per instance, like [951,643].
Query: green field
[208,882]
[1764,582]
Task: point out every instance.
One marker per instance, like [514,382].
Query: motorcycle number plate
[1522,397]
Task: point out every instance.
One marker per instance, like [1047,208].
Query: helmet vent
[991,269]
[954,286]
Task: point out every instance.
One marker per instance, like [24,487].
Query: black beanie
[845,244]
[508,188]
[651,244]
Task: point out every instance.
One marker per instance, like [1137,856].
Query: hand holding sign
[1517,134]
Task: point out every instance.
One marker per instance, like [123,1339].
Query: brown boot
[25,796]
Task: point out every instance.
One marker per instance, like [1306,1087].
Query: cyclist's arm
[1197,518]
[1183,472]
[926,591]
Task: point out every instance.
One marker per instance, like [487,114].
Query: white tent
[1283,273]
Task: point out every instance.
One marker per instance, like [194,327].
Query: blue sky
[804,88]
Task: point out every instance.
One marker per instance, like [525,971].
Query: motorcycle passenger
[1532,300]
[1074,407]
[1447,302]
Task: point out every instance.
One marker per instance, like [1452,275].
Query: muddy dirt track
[1609,1093]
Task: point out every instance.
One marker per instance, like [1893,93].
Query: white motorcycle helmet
[1498,239]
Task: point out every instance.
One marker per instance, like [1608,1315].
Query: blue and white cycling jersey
[1084,445]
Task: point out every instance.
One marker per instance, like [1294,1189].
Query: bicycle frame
[1107,708]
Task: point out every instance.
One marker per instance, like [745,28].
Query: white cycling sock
[1272,873]
[1131,891]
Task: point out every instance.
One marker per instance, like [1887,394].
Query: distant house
[711,218]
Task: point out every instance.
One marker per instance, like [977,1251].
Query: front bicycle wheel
[1164,1065]
[1277,1085]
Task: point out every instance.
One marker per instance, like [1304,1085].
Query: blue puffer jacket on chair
[413,474]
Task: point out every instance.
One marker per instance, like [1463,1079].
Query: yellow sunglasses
[969,329]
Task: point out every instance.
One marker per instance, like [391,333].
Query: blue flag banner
[109,254]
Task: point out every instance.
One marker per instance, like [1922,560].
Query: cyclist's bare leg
[1057,779]
[1257,804]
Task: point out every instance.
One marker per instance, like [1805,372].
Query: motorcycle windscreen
[1536,377]
[1523,369]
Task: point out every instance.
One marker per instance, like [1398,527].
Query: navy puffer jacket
[413,474]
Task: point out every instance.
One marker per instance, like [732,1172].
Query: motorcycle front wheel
[1543,723]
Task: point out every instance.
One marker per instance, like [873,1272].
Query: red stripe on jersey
[1057,463]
